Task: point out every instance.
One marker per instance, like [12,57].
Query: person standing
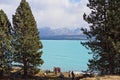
[73,75]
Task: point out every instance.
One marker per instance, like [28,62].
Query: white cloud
[52,13]
[9,7]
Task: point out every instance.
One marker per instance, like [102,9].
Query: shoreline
[41,75]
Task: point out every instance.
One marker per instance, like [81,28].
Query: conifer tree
[103,35]
[113,15]
[5,43]
[27,41]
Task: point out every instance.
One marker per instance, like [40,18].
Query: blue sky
[52,13]
[74,1]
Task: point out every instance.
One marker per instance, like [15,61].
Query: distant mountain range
[47,33]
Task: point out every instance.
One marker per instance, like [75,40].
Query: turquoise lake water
[66,54]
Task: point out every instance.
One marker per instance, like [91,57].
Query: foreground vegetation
[17,74]
[103,36]
[103,78]
[19,43]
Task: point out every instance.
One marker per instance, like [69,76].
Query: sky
[52,13]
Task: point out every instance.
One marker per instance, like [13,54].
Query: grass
[51,76]
[107,77]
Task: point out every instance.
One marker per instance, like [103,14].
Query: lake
[66,54]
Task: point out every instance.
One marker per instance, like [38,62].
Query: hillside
[47,33]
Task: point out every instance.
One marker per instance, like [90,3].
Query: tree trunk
[1,73]
[25,66]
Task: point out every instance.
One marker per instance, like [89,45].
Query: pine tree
[5,43]
[103,35]
[114,22]
[27,41]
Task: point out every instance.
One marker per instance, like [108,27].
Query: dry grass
[52,76]
[104,78]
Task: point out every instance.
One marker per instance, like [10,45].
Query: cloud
[52,13]
[9,7]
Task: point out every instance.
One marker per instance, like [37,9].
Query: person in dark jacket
[73,75]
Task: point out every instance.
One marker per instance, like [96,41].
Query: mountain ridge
[47,33]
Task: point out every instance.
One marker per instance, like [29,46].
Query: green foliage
[104,36]
[5,43]
[34,71]
[27,41]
